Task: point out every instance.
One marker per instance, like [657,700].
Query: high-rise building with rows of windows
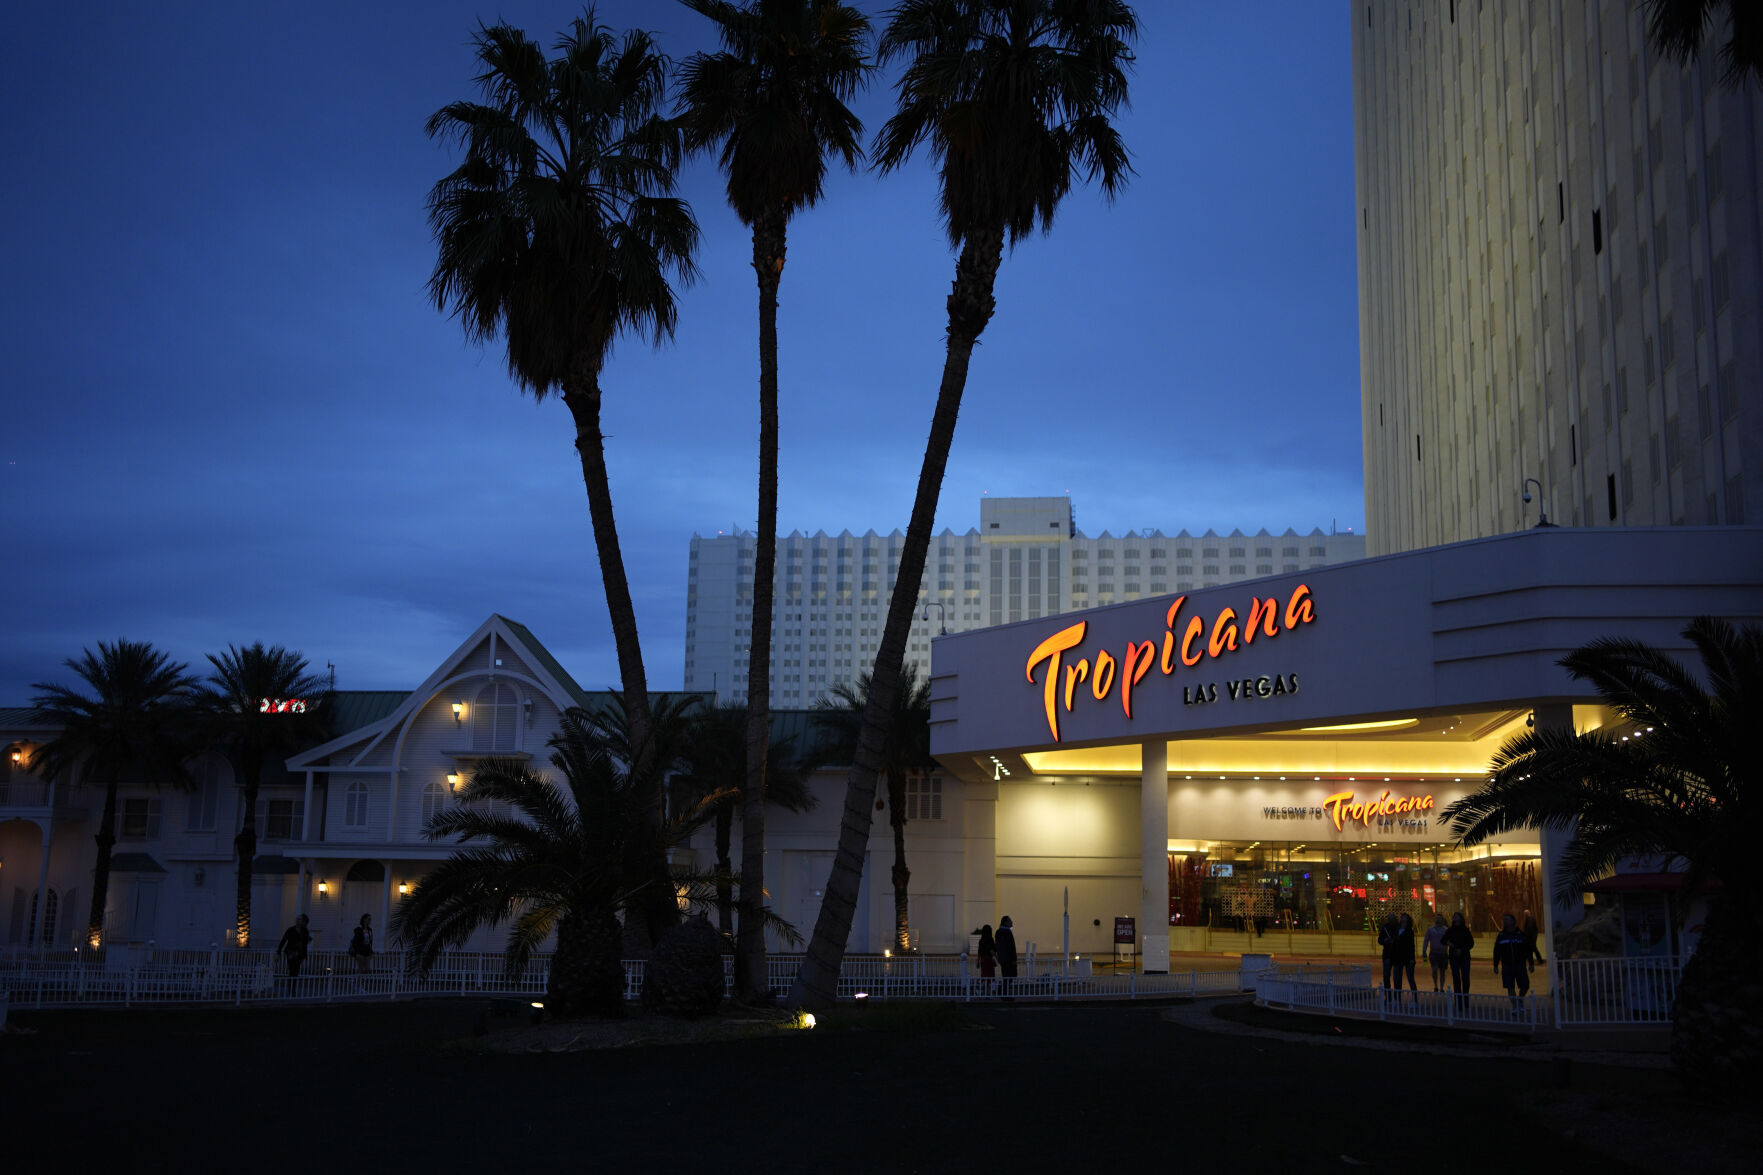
[1560,272]
[1026,560]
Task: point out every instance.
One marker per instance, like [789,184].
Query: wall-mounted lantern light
[323,887]
[458,711]
[403,889]
[453,780]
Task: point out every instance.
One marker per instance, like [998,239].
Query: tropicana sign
[1104,673]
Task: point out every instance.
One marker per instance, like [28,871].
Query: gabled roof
[543,657]
[551,677]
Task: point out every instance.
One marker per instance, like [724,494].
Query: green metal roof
[354,709]
[275,864]
[134,863]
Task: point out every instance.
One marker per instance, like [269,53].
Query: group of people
[997,954]
[296,944]
[1447,948]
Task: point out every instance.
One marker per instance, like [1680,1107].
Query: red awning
[1647,883]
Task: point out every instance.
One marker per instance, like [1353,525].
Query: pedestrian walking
[1436,954]
[1004,943]
[361,945]
[296,941]
[1531,934]
[1512,961]
[1458,943]
[988,957]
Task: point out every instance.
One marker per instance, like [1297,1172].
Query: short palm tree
[1013,98]
[236,715]
[714,760]
[774,102]
[560,862]
[1680,777]
[559,232]
[133,720]
[905,753]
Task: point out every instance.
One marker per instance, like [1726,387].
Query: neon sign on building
[1104,673]
[282,706]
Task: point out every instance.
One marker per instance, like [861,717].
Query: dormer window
[493,718]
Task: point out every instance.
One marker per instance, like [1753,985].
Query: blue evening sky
[232,415]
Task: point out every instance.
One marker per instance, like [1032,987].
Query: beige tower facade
[1560,273]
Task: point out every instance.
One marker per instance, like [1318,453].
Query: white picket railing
[1584,993]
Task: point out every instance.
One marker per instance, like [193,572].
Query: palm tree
[905,752]
[1013,99]
[134,720]
[558,231]
[715,758]
[1676,29]
[237,715]
[560,864]
[774,100]
[1679,777]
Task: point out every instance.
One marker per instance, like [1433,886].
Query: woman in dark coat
[1387,937]
[988,954]
[1005,942]
[1458,943]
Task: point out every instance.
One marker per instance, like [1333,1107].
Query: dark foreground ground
[399,1087]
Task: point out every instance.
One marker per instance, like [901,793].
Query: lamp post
[1542,518]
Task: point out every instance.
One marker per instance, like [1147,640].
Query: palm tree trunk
[106,839]
[246,845]
[768,265]
[1717,1019]
[657,910]
[902,876]
[970,308]
[587,975]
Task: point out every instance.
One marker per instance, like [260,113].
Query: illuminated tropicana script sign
[1103,672]
[1341,806]
[282,706]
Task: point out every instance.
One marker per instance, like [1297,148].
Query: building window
[924,797]
[286,819]
[140,818]
[204,800]
[492,722]
[355,806]
[434,800]
[44,931]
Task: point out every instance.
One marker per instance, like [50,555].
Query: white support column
[36,929]
[306,813]
[1154,857]
[381,930]
[1555,916]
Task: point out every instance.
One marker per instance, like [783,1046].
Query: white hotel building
[1026,560]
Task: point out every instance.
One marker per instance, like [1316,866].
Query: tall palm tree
[237,714]
[134,720]
[905,753]
[560,863]
[1676,29]
[775,102]
[1680,777]
[559,232]
[715,759]
[1013,99]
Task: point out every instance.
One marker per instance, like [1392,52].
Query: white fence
[127,977]
[1584,993]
